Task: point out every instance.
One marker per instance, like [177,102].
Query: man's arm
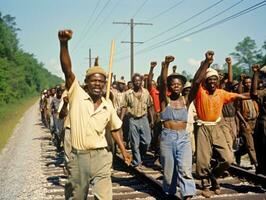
[150,76]
[200,75]
[228,60]
[254,87]
[116,135]
[64,36]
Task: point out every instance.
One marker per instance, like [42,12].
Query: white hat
[211,72]
[263,69]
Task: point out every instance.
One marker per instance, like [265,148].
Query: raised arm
[228,60]
[150,76]
[163,85]
[254,86]
[200,75]
[64,36]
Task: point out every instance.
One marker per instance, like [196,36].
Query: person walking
[90,114]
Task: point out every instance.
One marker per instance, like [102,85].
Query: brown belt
[175,125]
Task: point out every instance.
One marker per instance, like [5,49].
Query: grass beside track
[10,116]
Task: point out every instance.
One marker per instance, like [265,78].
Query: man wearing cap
[209,101]
[90,114]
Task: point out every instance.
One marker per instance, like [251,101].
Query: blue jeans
[140,138]
[176,159]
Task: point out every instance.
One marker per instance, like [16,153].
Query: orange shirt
[209,107]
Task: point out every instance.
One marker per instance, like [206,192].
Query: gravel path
[20,167]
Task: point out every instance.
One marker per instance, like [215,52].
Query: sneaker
[206,193]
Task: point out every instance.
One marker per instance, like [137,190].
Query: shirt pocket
[100,122]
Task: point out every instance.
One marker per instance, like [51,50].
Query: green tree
[246,53]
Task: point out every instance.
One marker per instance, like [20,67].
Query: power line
[238,14]
[140,8]
[231,17]
[133,16]
[92,24]
[185,21]
[87,24]
[132,42]
[189,29]
[165,11]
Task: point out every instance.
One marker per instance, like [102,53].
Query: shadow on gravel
[42,138]
[244,188]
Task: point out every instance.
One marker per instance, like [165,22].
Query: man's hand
[65,99]
[65,35]
[127,158]
[169,59]
[153,64]
[228,60]
[209,57]
[255,67]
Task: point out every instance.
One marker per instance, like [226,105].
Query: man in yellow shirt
[90,114]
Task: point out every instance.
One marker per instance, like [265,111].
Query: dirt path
[20,167]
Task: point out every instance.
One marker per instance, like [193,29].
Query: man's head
[95,81]
[59,92]
[211,79]
[186,89]
[137,80]
[247,83]
[121,84]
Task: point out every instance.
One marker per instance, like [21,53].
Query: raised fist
[65,35]
[153,64]
[255,67]
[228,60]
[209,57]
[169,59]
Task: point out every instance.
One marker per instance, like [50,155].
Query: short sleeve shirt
[209,107]
[155,97]
[88,125]
[137,106]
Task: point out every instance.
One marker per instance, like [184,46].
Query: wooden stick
[110,70]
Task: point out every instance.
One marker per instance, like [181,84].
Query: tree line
[21,74]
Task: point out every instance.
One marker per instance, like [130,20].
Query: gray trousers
[89,168]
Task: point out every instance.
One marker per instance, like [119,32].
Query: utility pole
[90,58]
[132,24]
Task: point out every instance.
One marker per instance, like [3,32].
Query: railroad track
[125,184]
[146,182]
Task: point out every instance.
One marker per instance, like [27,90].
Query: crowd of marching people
[211,120]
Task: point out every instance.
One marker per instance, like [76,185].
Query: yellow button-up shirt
[88,125]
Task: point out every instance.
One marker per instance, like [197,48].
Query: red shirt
[155,97]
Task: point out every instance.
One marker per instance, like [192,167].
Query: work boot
[206,192]
[205,188]
[215,185]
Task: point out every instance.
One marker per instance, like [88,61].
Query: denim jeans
[176,159]
[140,138]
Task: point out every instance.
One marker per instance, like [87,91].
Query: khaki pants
[248,147]
[90,168]
[209,139]
[228,126]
